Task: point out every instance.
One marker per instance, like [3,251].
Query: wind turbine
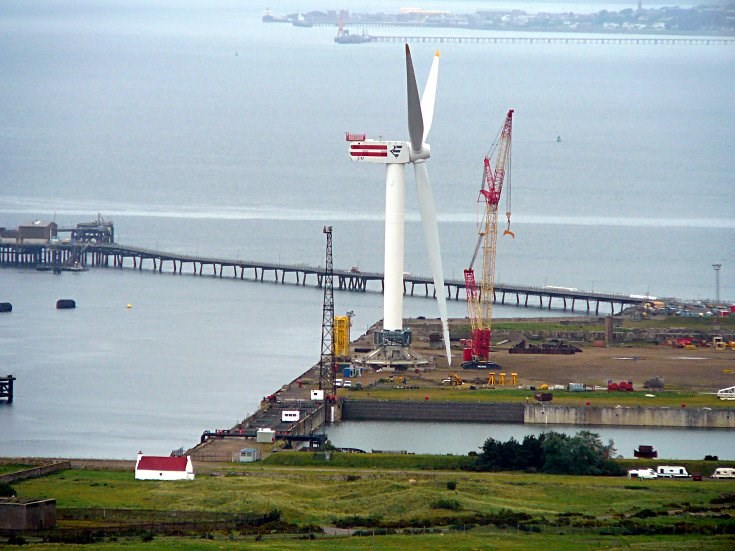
[395,155]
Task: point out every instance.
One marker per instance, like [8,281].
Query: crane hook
[507,231]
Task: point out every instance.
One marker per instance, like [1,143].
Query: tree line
[550,452]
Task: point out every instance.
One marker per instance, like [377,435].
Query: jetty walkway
[587,40]
[47,256]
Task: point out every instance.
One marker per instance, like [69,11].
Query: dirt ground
[700,370]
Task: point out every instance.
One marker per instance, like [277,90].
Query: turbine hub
[422,154]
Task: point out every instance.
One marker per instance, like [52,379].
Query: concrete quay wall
[536,414]
[630,416]
[455,412]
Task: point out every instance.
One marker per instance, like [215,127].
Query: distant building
[249,455]
[8,236]
[38,232]
[151,467]
[27,514]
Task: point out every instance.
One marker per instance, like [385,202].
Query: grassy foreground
[408,508]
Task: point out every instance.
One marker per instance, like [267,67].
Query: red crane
[480,300]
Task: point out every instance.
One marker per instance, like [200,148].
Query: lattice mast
[327,360]
[480,301]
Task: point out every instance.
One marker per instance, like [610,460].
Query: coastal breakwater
[490,412]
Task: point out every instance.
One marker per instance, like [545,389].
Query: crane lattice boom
[480,301]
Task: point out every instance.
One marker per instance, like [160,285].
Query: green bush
[449,504]
[451,485]
[6,490]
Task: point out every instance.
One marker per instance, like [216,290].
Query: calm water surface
[198,129]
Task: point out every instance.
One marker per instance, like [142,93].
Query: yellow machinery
[342,326]
[720,344]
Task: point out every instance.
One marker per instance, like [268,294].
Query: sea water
[198,129]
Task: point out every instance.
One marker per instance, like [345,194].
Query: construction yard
[701,369]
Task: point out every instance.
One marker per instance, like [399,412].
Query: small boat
[344,37]
[645,452]
[268,17]
[75,267]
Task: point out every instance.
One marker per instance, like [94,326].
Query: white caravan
[724,472]
[668,471]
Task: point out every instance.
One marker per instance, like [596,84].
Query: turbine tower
[394,340]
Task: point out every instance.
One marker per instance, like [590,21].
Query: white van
[724,472]
[643,474]
[669,471]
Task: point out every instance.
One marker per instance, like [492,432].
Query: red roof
[154,463]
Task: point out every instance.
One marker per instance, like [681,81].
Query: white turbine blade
[415,117]
[429,96]
[431,233]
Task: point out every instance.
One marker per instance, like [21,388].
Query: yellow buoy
[130,305]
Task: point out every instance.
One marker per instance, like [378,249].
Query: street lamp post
[717,295]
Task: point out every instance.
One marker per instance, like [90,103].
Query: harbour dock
[267,427]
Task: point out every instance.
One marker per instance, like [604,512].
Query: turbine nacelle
[386,152]
[380,151]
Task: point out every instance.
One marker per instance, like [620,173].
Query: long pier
[578,40]
[52,255]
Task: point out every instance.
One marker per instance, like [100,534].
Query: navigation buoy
[129,306]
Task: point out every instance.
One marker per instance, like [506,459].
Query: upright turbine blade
[415,118]
[431,233]
[429,96]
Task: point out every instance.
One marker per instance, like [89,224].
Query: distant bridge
[51,255]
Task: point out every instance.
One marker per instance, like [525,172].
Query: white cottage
[151,467]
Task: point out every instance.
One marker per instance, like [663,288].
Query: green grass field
[694,323]
[463,393]
[484,511]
